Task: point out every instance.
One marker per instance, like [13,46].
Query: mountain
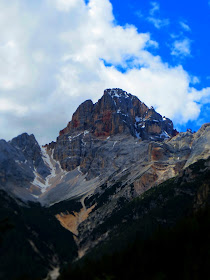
[116,167]
[101,142]
[162,234]
[20,160]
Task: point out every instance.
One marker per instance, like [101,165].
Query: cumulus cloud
[56,54]
[181,47]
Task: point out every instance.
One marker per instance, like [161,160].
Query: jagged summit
[117,116]
[117,92]
[119,112]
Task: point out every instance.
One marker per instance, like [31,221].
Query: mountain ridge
[80,160]
[116,161]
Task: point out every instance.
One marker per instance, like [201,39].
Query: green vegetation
[162,205]
[181,252]
[31,239]
[172,240]
[163,234]
[104,197]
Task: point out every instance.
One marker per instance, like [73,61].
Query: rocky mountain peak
[116,115]
[25,142]
[119,112]
[28,146]
[21,161]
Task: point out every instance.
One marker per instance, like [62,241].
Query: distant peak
[117,92]
[24,137]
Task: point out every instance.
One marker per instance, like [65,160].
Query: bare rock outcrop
[116,113]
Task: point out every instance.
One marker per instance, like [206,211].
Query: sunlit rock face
[117,112]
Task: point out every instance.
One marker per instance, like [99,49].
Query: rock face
[20,160]
[31,151]
[118,112]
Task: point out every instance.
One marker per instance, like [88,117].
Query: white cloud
[181,47]
[14,66]
[184,26]
[154,19]
[158,23]
[54,53]
[67,5]
[8,106]
[155,8]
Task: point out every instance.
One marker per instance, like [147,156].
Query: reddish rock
[116,112]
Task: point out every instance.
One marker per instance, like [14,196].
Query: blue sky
[183,19]
[179,20]
[55,54]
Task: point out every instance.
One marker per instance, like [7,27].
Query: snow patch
[164,134]
[115,142]
[55,170]
[38,180]
[78,168]
[86,132]
[52,167]
[75,136]
[115,93]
